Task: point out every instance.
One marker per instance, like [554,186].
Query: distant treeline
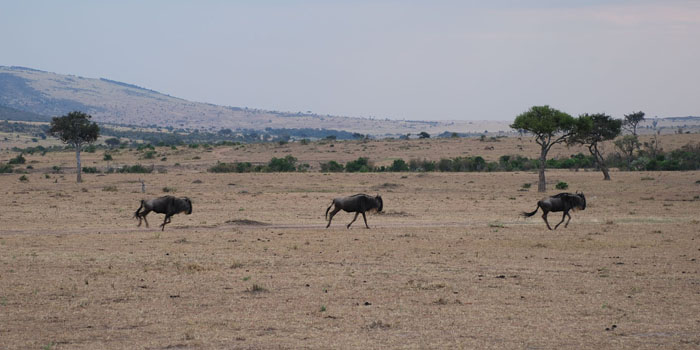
[685,158]
[180,137]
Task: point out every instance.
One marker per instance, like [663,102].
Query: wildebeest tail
[136,214]
[329,208]
[527,215]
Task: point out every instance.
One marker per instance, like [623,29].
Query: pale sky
[418,60]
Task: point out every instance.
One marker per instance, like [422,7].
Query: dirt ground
[449,263]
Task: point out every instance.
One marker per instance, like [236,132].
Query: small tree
[112,142]
[627,145]
[632,121]
[549,126]
[591,131]
[423,135]
[75,129]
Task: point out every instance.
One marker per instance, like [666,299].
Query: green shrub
[169,189]
[17,160]
[244,167]
[135,169]
[90,170]
[359,165]
[422,165]
[150,154]
[561,185]
[5,168]
[398,165]
[285,164]
[332,167]
[24,178]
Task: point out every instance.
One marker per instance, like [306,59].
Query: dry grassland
[448,264]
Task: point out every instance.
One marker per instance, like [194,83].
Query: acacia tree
[75,129]
[627,145]
[632,121]
[549,126]
[593,129]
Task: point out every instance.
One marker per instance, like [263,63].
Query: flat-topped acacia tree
[602,128]
[549,126]
[75,129]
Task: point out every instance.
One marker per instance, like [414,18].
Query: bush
[150,154]
[135,169]
[398,165]
[90,170]
[243,167]
[24,178]
[17,160]
[332,167]
[421,165]
[5,168]
[168,189]
[561,185]
[285,164]
[359,165]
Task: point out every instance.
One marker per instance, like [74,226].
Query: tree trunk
[542,184]
[77,157]
[599,160]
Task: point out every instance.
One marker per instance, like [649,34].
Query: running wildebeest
[358,204]
[560,202]
[167,205]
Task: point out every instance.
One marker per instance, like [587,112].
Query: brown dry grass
[449,264]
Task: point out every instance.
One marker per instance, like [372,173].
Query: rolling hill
[50,94]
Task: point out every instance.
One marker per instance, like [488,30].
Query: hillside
[109,101]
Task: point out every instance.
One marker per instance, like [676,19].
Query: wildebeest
[358,204]
[560,202]
[167,205]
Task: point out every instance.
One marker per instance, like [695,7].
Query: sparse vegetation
[137,169]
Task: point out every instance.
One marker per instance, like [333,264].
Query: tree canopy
[550,126]
[632,120]
[593,129]
[76,129]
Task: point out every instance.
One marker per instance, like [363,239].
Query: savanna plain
[449,263]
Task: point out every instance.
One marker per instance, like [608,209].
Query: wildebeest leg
[364,217]
[165,222]
[335,211]
[562,220]
[353,220]
[567,221]
[544,216]
[142,215]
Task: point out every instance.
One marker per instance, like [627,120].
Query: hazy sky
[428,60]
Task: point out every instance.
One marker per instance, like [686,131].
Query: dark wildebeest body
[560,202]
[167,205]
[358,204]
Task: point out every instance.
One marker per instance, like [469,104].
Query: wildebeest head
[582,200]
[378,198]
[186,204]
